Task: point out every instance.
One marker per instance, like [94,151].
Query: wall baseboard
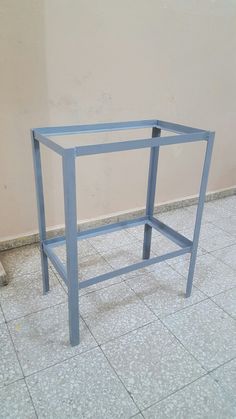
[31,238]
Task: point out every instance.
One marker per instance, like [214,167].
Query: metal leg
[41,210]
[69,179]
[200,207]
[153,164]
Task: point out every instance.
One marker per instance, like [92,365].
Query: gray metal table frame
[69,273]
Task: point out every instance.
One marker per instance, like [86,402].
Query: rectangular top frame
[186,134]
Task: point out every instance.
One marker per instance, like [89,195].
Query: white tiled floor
[145,350]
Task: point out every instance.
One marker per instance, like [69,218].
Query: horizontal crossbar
[115,126]
[138,144]
[58,265]
[134,267]
[108,228]
[170,233]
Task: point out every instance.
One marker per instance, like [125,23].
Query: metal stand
[47,246]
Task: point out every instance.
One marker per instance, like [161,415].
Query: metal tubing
[105,229]
[110,126]
[69,179]
[134,267]
[40,209]
[58,265]
[170,233]
[137,144]
[200,207]
[152,175]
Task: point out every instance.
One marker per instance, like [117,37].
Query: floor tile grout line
[158,317]
[22,371]
[113,369]
[208,373]
[174,392]
[174,312]
[219,259]
[60,362]
[228,314]
[36,312]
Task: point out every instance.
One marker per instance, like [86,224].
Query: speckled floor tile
[211,275]
[23,295]
[163,290]
[151,363]
[15,402]
[82,387]
[228,224]
[159,244]
[227,255]
[84,249]
[203,399]
[2,320]
[180,219]
[213,211]
[206,331]
[90,267]
[124,256]
[213,238]
[114,311]
[112,240]
[21,261]
[227,301]
[9,366]
[41,339]
[138,416]
[225,376]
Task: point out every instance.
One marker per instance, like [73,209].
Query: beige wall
[70,61]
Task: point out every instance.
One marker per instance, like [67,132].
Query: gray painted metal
[69,181]
[41,209]
[202,195]
[152,176]
[70,273]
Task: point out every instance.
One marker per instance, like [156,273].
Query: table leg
[200,207]
[69,180]
[153,165]
[41,210]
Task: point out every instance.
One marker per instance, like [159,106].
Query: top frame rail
[186,134]
[116,126]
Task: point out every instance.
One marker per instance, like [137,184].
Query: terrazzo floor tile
[2,320]
[227,301]
[212,212]
[41,339]
[211,275]
[138,416]
[225,376]
[9,366]
[112,240]
[23,295]
[114,311]
[82,387]
[228,224]
[151,363]
[15,402]
[206,331]
[159,245]
[84,249]
[180,219]
[21,261]
[213,238]
[227,255]
[163,290]
[124,256]
[90,267]
[203,399]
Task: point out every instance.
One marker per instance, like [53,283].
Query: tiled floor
[146,350]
